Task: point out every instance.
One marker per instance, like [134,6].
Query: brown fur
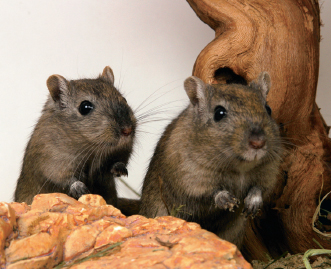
[128,207]
[73,153]
[208,168]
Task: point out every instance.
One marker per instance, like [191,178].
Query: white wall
[151,46]
[323,98]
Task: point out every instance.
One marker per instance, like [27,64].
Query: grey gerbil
[83,139]
[217,160]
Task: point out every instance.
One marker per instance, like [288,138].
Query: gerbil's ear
[58,87]
[108,75]
[263,83]
[195,90]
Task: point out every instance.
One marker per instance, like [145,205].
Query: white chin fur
[254,154]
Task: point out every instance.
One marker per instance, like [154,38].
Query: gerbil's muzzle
[126,131]
[257,138]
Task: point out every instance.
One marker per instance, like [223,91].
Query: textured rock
[57,230]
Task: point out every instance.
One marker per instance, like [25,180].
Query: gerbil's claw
[77,189]
[119,169]
[225,200]
[252,214]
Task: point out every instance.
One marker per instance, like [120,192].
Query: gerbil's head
[91,110]
[232,123]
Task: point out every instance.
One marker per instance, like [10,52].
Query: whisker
[150,96]
[99,151]
[90,152]
[157,109]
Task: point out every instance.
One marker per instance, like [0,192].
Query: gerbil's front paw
[77,189]
[225,200]
[253,202]
[119,169]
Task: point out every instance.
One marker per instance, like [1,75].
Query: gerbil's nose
[126,131]
[257,139]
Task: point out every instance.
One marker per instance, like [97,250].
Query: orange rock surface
[57,231]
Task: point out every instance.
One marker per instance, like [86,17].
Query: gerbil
[83,139]
[217,160]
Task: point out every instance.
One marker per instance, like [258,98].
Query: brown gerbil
[83,139]
[217,160]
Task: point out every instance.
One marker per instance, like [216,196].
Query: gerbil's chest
[201,182]
[237,183]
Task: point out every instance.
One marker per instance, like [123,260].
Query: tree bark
[282,38]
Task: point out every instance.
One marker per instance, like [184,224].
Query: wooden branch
[282,38]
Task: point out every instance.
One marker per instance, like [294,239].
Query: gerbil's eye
[85,107]
[268,109]
[220,113]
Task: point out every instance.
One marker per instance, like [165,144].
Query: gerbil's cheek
[238,140]
[97,129]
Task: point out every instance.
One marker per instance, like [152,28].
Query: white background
[151,45]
